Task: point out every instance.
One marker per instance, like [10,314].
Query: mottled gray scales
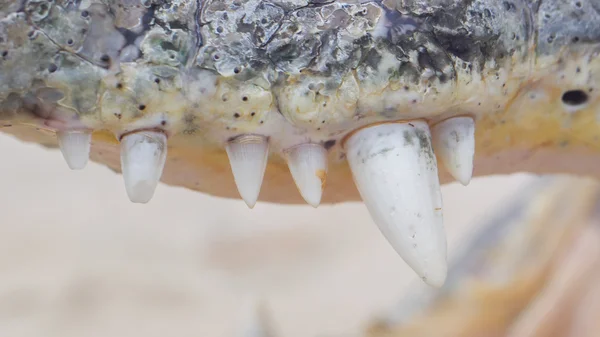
[334,57]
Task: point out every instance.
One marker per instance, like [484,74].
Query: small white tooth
[75,147]
[454,142]
[143,156]
[248,159]
[308,165]
[395,171]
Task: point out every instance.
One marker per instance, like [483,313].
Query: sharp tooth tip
[313,199]
[142,192]
[76,166]
[139,201]
[436,282]
[249,195]
[250,203]
[435,276]
[308,166]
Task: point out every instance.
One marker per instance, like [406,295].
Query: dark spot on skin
[163,123]
[105,58]
[509,6]
[578,70]
[411,124]
[237,70]
[157,80]
[329,144]
[261,122]
[236,115]
[52,67]
[85,14]
[575,39]
[574,97]
[141,107]
[70,41]
[119,86]
[245,99]
[252,113]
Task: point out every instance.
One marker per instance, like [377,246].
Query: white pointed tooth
[248,159]
[143,156]
[454,142]
[308,165]
[395,171]
[75,147]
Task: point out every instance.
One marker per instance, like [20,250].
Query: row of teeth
[393,165]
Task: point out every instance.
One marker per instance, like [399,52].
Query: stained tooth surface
[248,159]
[454,142]
[308,165]
[395,171]
[75,147]
[143,156]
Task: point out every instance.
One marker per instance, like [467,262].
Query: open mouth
[291,102]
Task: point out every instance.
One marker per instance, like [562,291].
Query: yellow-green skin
[299,71]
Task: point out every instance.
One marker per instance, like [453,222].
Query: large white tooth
[143,156]
[308,165]
[248,159]
[454,142]
[395,171]
[75,147]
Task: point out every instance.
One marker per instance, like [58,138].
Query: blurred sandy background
[78,259]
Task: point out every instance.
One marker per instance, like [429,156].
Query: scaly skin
[298,71]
